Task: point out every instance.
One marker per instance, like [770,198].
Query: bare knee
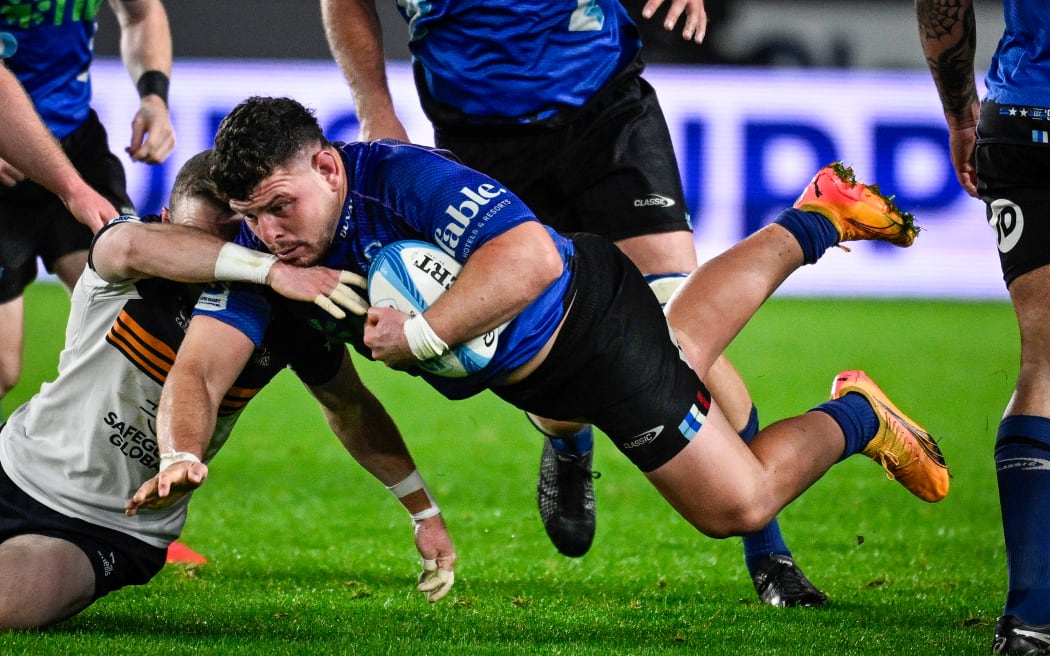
[734,520]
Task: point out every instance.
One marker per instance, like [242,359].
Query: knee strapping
[664,285]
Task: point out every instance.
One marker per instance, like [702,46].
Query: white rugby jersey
[86,442]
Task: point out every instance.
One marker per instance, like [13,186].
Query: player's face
[295,210]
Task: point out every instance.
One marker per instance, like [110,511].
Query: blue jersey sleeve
[242,306]
[431,196]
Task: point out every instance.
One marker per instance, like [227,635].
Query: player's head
[196,202]
[275,167]
[258,136]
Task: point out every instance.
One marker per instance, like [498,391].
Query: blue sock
[814,231]
[1022,465]
[758,546]
[578,444]
[856,418]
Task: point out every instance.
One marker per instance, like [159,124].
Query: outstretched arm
[145,47]
[131,250]
[355,38]
[27,149]
[209,360]
[948,33]
[368,433]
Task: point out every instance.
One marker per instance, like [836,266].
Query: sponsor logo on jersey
[473,200]
[642,439]
[137,443]
[654,200]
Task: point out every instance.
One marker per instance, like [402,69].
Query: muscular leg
[1024,437]
[674,251]
[12,322]
[69,267]
[11,339]
[720,485]
[717,301]
[42,580]
[724,488]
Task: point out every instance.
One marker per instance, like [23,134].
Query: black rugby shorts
[609,170]
[614,364]
[1013,170]
[117,558]
[34,222]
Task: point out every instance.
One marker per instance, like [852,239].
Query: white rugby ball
[409,276]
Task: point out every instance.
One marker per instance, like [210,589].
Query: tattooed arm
[948,32]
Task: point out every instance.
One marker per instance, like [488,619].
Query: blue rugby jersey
[1019,73]
[401,191]
[48,46]
[518,60]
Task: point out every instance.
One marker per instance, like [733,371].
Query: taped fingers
[435,581]
[344,296]
[347,298]
[328,306]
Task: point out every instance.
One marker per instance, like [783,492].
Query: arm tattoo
[948,31]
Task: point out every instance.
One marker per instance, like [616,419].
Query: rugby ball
[409,276]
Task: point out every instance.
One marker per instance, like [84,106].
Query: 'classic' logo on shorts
[644,438]
[1007,219]
[654,200]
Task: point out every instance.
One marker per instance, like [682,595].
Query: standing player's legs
[17,269]
[1011,178]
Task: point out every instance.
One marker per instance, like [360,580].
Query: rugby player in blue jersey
[585,339]
[49,48]
[547,96]
[1001,152]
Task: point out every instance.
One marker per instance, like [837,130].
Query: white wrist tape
[240,264]
[414,483]
[169,458]
[432,511]
[422,340]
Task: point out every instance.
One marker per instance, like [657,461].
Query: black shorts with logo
[117,558]
[1013,179]
[34,222]
[608,168]
[614,364]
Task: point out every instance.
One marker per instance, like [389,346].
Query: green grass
[310,555]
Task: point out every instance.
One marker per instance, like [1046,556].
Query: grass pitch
[310,555]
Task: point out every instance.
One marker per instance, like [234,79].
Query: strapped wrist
[422,340]
[240,264]
[409,485]
[153,83]
[169,458]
